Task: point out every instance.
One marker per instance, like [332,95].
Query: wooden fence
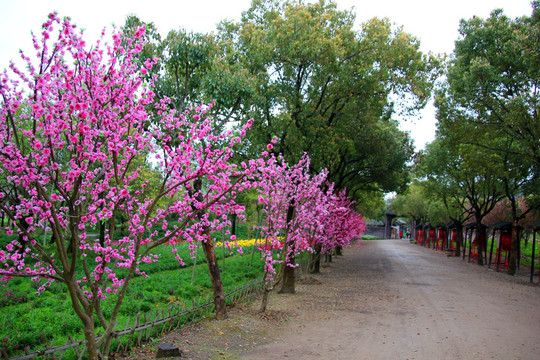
[142,328]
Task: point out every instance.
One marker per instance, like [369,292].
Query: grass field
[28,319]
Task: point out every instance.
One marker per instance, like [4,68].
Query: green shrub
[370,237]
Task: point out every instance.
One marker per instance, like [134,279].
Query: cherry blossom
[73,126]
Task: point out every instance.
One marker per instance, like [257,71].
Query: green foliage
[488,117]
[487,145]
[441,169]
[197,67]
[488,109]
[493,77]
[412,204]
[305,75]
[466,179]
[36,322]
[370,237]
[27,319]
[324,88]
[437,213]
[188,56]
[371,204]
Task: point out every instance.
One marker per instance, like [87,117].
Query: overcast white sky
[434,22]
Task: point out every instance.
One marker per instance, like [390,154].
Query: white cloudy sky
[434,22]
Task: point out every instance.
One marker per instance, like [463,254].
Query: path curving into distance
[390,299]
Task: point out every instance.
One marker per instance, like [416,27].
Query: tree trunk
[21,240]
[481,234]
[102,233]
[315,264]
[91,348]
[287,272]
[211,260]
[514,250]
[459,239]
[88,326]
[215,277]
[339,251]
[287,287]
[264,302]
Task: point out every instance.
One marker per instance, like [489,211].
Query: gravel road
[391,299]
[385,299]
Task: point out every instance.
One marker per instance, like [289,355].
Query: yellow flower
[243,243]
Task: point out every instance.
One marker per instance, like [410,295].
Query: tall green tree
[197,68]
[491,101]
[331,91]
[494,76]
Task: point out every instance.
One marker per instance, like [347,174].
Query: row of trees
[310,79]
[89,136]
[303,214]
[486,153]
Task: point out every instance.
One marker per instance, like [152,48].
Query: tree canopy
[487,142]
[328,90]
[493,81]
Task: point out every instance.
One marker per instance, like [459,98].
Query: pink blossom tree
[299,215]
[343,224]
[73,128]
[334,224]
[289,194]
[306,209]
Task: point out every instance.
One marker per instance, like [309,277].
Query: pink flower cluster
[304,210]
[74,131]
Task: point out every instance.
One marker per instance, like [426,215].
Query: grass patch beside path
[370,237]
[28,319]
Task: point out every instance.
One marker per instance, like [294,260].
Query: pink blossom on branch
[72,154]
[300,214]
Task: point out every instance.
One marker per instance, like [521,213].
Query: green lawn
[28,319]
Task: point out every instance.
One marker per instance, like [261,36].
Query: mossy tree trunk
[287,287]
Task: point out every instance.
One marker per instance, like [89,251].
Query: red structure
[504,244]
[475,243]
[431,238]
[420,234]
[442,238]
[535,227]
[452,236]
[453,240]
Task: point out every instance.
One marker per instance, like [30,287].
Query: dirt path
[385,300]
[393,300]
